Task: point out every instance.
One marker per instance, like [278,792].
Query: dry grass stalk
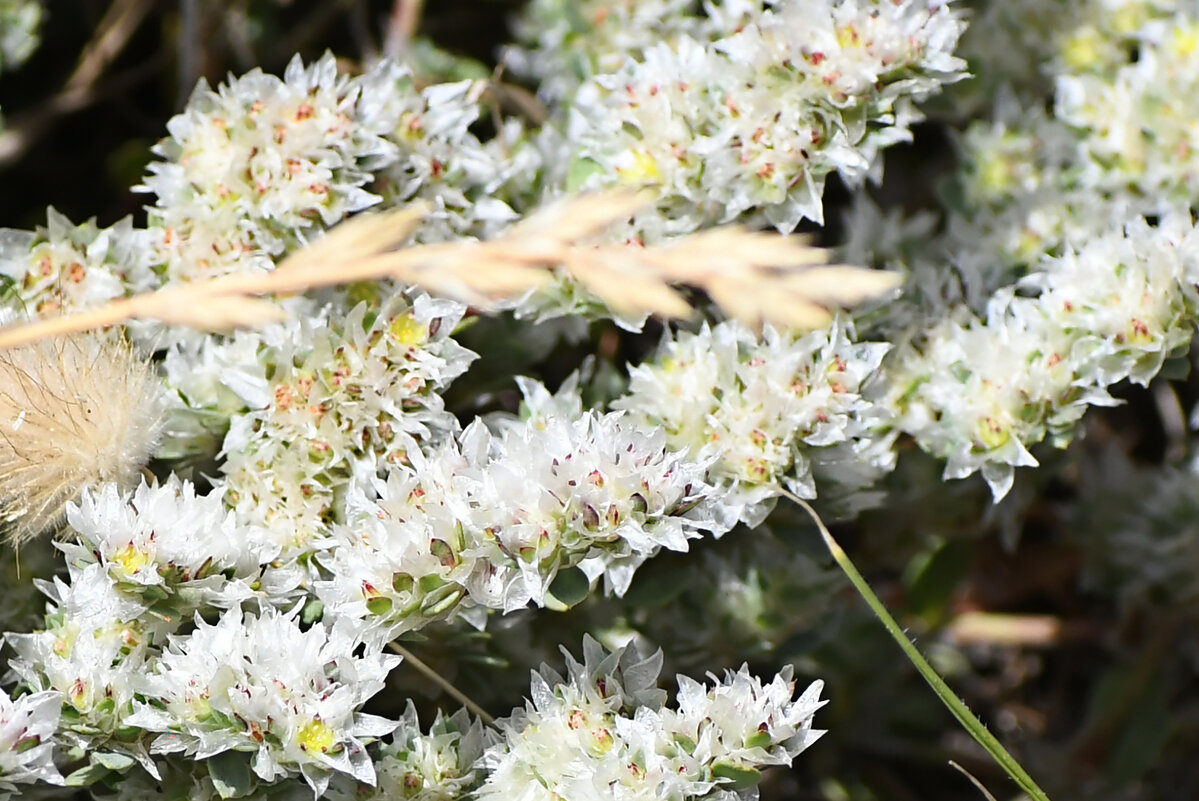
[755,277]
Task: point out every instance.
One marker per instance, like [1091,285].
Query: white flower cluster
[979,392]
[265,699]
[262,685]
[756,120]
[470,185]
[225,644]
[260,165]
[442,765]
[1017,180]
[357,394]
[139,673]
[1051,307]
[762,411]
[64,267]
[565,42]
[604,732]
[92,655]
[27,726]
[1114,146]
[1135,130]
[167,546]
[491,521]
[253,166]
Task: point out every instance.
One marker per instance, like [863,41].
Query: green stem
[955,705]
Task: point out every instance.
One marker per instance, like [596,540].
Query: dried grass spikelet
[75,411]
[755,277]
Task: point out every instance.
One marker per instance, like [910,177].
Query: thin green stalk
[955,705]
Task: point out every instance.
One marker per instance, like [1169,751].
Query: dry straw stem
[755,277]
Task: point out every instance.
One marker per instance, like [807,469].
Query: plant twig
[120,21]
[441,682]
[1038,631]
[401,26]
[981,788]
[972,724]
[114,31]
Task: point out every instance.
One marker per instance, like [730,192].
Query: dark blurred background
[80,144]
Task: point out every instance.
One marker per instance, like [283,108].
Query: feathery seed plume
[75,411]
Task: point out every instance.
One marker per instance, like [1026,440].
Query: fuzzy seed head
[75,411]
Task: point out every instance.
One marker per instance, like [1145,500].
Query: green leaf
[313,611]
[402,582]
[685,742]
[230,773]
[87,775]
[579,171]
[759,739]
[117,762]
[570,587]
[741,778]
[25,743]
[430,582]
[933,577]
[378,606]
[441,599]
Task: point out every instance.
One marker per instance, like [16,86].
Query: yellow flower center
[130,559]
[643,170]
[407,331]
[1185,41]
[316,736]
[1081,51]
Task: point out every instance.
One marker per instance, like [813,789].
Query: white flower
[250,166]
[755,121]
[977,393]
[438,766]
[439,160]
[1133,132]
[65,267]
[980,392]
[568,41]
[1126,298]
[596,485]
[743,722]
[755,409]
[492,520]
[357,394]
[166,540]
[261,685]
[27,727]
[603,732]
[93,654]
